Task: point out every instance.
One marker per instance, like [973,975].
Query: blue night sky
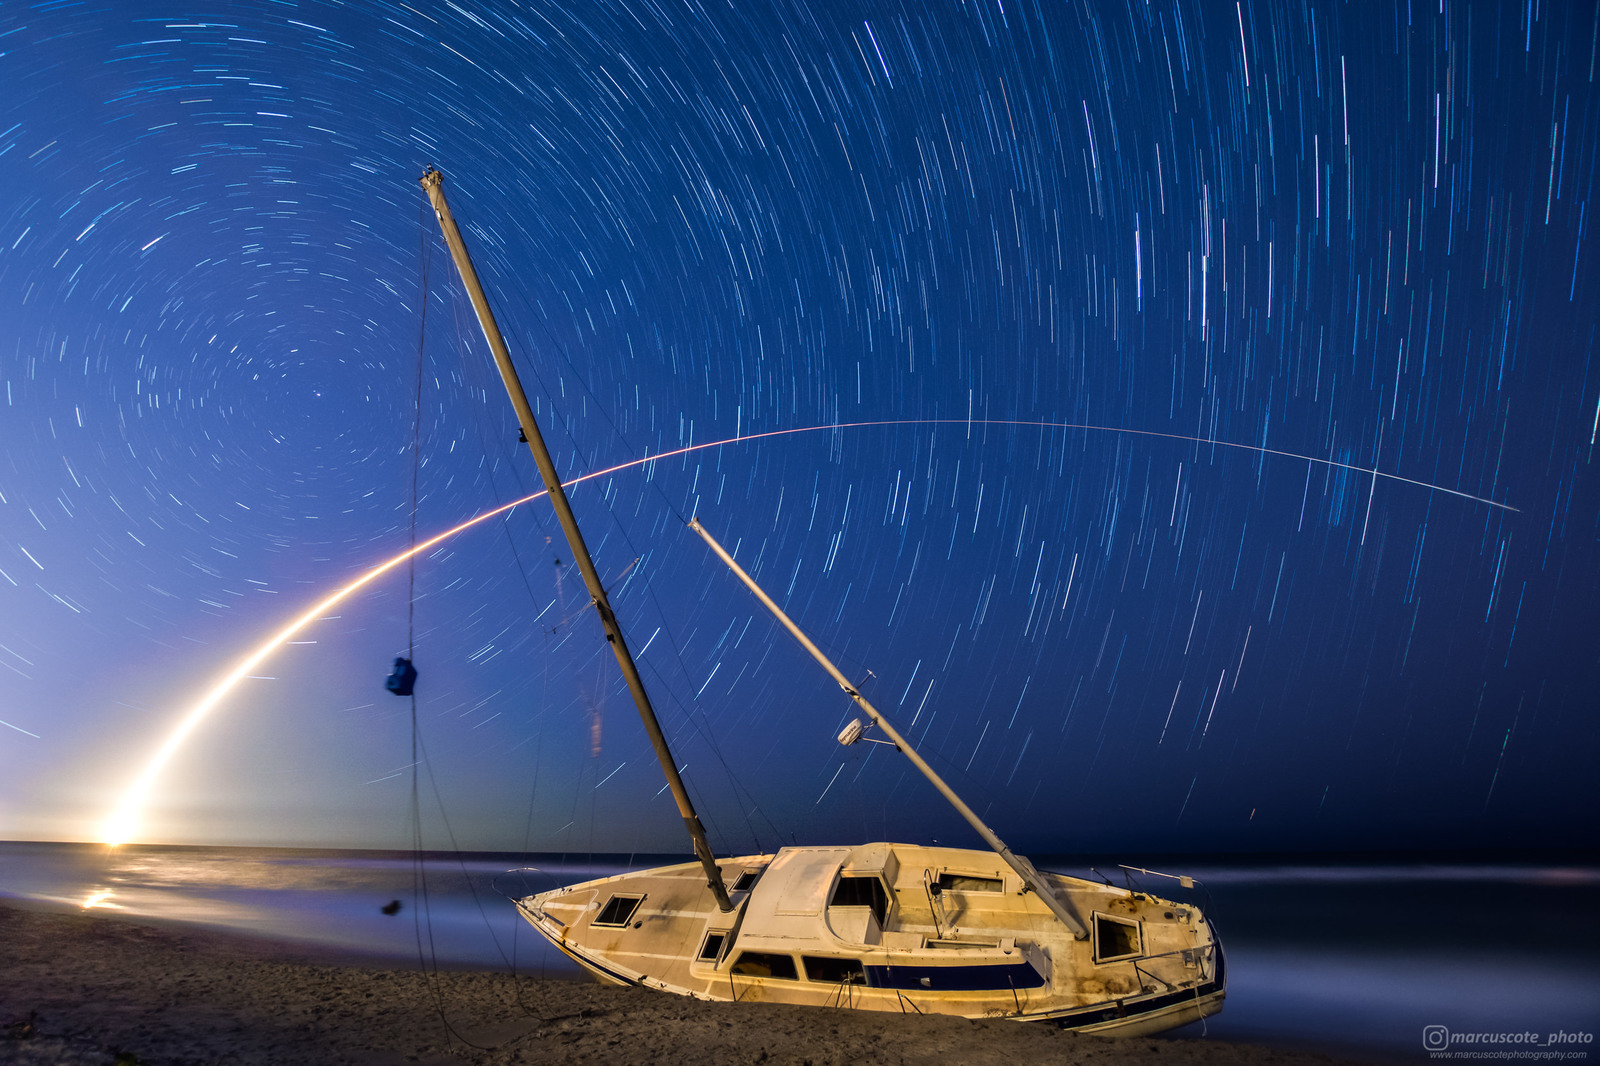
[1357,234]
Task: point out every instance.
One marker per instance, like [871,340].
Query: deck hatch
[1115,938]
[618,911]
[746,880]
[766,964]
[862,892]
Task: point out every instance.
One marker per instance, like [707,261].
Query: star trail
[1197,409]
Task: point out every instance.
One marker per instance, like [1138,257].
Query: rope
[427,951]
[427,958]
[416,458]
[693,716]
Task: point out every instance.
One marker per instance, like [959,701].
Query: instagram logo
[1435,1037]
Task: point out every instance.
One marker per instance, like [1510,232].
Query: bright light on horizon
[122,826]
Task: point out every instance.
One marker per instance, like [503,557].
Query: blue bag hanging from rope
[403,678]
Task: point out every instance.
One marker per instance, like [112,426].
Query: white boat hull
[898,928]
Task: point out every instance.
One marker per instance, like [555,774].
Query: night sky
[1089,258]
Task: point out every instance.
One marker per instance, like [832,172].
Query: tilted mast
[1021,865]
[432,183]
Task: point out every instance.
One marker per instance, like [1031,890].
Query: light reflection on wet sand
[330,901]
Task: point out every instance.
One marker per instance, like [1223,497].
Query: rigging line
[462,347]
[416,443]
[456,853]
[418,878]
[422,911]
[600,408]
[701,728]
[428,962]
[491,445]
[492,455]
[690,710]
[709,737]
[527,836]
[514,348]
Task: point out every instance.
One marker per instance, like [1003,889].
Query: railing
[1184,881]
[1200,959]
[555,882]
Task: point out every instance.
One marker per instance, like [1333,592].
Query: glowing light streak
[123,825]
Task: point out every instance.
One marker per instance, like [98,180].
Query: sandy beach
[89,989]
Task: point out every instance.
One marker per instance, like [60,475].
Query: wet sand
[88,989]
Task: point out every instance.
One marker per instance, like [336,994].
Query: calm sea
[1348,956]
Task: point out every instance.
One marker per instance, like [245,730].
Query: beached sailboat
[877,926]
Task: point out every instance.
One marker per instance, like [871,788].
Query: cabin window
[712,947]
[949,882]
[618,910]
[1115,938]
[762,964]
[746,880]
[980,977]
[862,892]
[834,971]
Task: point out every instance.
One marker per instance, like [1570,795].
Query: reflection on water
[453,912]
[1351,957]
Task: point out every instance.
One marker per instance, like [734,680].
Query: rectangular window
[712,947]
[949,882]
[1115,938]
[762,964]
[834,971]
[746,880]
[618,910]
[985,977]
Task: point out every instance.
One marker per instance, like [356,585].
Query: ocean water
[1368,958]
[1350,956]
[454,910]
